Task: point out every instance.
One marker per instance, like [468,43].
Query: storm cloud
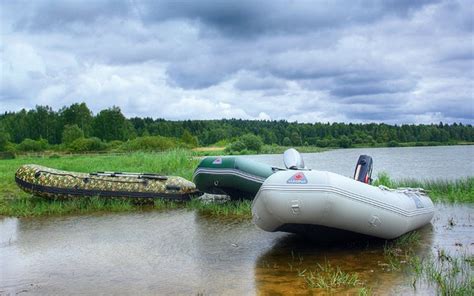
[306,61]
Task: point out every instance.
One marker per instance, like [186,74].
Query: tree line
[45,126]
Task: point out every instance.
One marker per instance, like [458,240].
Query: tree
[71,133]
[78,114]
[344,142]
[187,138]
[252,142]
[4,139]
[296,138]
[110,124]
[286,141]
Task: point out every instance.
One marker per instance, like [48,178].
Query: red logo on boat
[217,160]
[298,178]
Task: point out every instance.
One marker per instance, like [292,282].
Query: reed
[452,275]
[450,191]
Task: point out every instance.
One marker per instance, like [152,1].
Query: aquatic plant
[452,275]
[461,190]
[328,277]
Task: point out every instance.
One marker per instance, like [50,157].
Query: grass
[240,209]
[400,250]
[28,207]
[451,275]
[456,191]
[327,277]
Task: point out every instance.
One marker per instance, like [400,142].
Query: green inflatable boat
[51,183]
[238,177]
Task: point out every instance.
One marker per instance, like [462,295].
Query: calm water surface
[441,162]
[183,252]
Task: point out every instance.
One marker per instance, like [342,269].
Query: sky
[395,61]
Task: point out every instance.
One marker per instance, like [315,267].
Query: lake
[439,162]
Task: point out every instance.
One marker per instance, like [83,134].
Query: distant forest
[45,126]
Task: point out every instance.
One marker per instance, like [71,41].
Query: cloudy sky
[352,61]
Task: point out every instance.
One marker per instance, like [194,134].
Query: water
[184,252]
[441,162]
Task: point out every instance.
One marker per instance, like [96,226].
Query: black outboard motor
[363,170]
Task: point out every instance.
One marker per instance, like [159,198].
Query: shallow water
[184,252]
[440,162]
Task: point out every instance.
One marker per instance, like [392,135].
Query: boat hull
[293,201]
[237,177]
[51,183]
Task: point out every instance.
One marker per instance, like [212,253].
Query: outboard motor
[363,170]
[293,159]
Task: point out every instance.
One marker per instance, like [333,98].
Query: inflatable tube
[237,177]
[310,201]
[51,183]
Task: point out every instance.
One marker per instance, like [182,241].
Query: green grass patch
[230,208]
[328,277]
[33,206]
[455,191]
[240,209]
[451,275]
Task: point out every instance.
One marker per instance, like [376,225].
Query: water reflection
[277,270]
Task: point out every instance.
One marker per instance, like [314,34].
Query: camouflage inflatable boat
[51,183]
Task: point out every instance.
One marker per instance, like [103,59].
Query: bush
[393,144]
[71,133]
[7,155]
[189,139]
[252,142]
[236,146]
[114,144]
[245,144]
[345,142]
[150,143]
[87,144]
[4,140]
[29,145]
[286,141]
[322,143]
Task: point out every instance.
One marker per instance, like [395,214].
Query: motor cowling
[363,169]
[293,159]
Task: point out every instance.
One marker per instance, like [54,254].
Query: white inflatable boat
[301,200]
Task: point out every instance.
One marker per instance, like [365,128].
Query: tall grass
[461,190]
[451,275]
